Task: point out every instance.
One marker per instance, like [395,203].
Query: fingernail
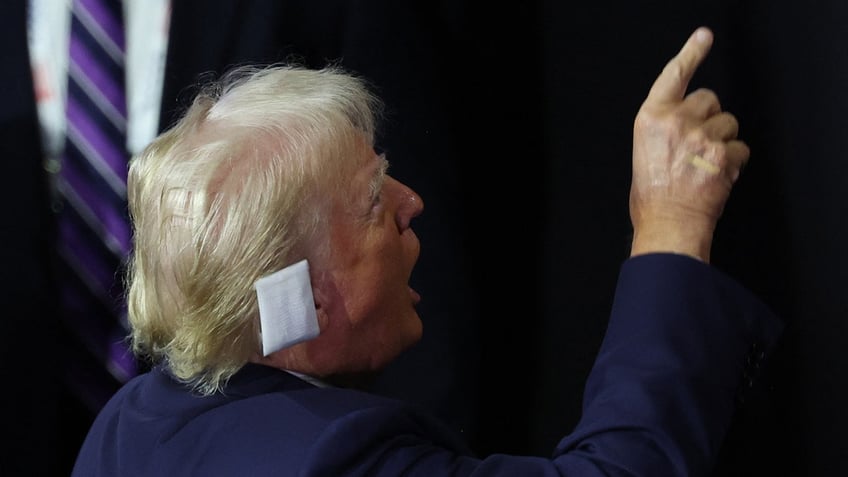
[702,35]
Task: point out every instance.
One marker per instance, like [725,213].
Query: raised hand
[686,158]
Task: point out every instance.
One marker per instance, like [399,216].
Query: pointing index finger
[671,84]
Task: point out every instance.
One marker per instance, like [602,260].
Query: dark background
[514,123]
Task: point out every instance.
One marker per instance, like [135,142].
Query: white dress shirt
[48,28]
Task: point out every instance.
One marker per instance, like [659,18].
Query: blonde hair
[234,191]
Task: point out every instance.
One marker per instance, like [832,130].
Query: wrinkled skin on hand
[686,158]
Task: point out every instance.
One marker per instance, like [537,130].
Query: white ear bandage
[286,308]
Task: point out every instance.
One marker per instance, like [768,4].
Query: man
[271,262]
[202,36]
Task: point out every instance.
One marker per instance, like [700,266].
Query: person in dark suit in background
[270,271]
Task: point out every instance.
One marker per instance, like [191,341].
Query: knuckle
[733,124]
[731,120]
[646,121]
[665,124]
[643,119]
[708,95]
[697,139]
[720,153]
[705,97]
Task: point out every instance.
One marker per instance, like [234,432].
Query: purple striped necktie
[94,230]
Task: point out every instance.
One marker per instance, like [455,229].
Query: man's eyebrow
[376,184]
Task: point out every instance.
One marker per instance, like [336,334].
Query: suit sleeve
[658,401]
[664,387]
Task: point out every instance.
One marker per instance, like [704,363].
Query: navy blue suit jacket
[658,402]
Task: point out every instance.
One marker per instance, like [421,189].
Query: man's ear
[321,286]
[322,316]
